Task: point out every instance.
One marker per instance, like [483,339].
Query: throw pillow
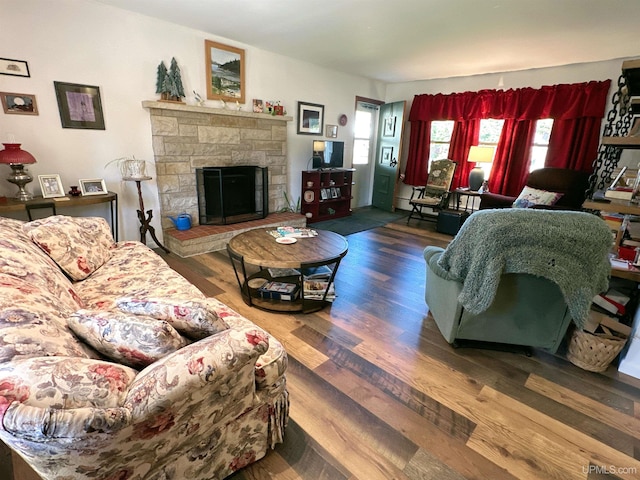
[533,196]
[79,245]
[133,340]
[189,317]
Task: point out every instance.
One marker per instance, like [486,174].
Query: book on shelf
[612,301]
[323,272]
[283,272]
[315,290]
[279,291]
[293,232]
[619,193]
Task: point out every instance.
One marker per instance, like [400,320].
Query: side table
[470,194]
[145,219]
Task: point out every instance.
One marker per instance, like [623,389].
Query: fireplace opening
[232,194]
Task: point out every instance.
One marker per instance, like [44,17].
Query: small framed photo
[310,118]
[92,186]
[386,156]
[258,107]
[335,192]
[225,72]
[19,103]
[323,194]
[17,68]
[80,106]
[51,186]
[331,131]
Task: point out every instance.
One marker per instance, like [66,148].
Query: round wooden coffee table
[259,248]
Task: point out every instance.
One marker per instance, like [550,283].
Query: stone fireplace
[187,137]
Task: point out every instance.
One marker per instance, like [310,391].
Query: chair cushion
[134,340]
[533,196]
[79,245]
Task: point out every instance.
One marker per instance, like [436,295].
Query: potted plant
[130,167]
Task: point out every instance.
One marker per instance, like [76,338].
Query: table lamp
[17,158]
[478,155]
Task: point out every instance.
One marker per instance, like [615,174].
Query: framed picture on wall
[79,105]
[17,68]
[331,131]
[389,129]
[19,103]
[225,72]
[310,118]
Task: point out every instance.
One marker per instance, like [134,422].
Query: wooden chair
[436,193]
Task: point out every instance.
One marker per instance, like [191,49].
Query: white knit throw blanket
[569,248]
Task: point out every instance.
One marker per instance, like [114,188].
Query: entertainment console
[326,194]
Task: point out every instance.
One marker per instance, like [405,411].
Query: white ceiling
[407,40]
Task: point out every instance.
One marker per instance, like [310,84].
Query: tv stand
[326,194]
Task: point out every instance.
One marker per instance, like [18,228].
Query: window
[490,130]
[540,143]
[440,139]
[362,136]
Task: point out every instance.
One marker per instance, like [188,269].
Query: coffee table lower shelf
[252,298]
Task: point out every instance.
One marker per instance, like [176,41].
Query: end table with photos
[287,273]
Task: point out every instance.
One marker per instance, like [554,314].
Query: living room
[88,42]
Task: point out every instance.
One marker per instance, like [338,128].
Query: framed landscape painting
[19,103]
[225,72]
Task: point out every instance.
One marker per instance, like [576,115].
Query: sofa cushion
[21,258]
[133,270]
[134,340]
[533,196]
[79,245]
[64,383]
[189,317]
[32,325]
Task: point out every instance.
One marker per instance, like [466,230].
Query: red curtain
[511,162]
[574,143]
[465,133]
[577,110]
[418,156]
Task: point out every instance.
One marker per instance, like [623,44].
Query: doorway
[364,148]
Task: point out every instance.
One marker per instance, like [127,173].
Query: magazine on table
[293,232]
[279,291]
[323,272]
[315,290]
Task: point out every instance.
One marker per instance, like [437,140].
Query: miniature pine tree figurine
[169,83]
[177,80]
[162,74]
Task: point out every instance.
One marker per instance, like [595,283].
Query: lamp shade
[13,154]
[481,154]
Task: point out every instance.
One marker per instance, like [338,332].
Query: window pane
[538,155]
[360,152]
[490,129]
[362,128]
[543,131]
[438,151]
[441,131]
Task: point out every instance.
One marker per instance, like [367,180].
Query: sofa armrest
[218,370]
[495,200]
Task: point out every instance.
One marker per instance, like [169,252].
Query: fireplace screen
[232,194]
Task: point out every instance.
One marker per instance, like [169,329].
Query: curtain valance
[561,102]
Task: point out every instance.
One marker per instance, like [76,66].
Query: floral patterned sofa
[113,366]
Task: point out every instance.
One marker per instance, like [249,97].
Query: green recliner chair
[518,276]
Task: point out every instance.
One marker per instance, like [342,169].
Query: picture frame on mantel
[310,118]
[79,105]
[225,68]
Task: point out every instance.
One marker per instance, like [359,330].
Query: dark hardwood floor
[376,392]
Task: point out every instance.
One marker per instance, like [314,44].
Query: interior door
[388,151]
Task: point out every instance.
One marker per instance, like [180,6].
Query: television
[328,154]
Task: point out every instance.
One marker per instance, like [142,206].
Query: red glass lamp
[17,158]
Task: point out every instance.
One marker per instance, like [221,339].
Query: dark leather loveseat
[572,184]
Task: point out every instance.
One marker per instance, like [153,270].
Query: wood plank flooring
[376,392]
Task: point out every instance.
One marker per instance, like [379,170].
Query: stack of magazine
[316,283]
[293,232]
[279,291]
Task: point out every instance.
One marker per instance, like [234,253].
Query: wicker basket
[594,351]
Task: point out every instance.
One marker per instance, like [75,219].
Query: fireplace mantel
[181,107]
